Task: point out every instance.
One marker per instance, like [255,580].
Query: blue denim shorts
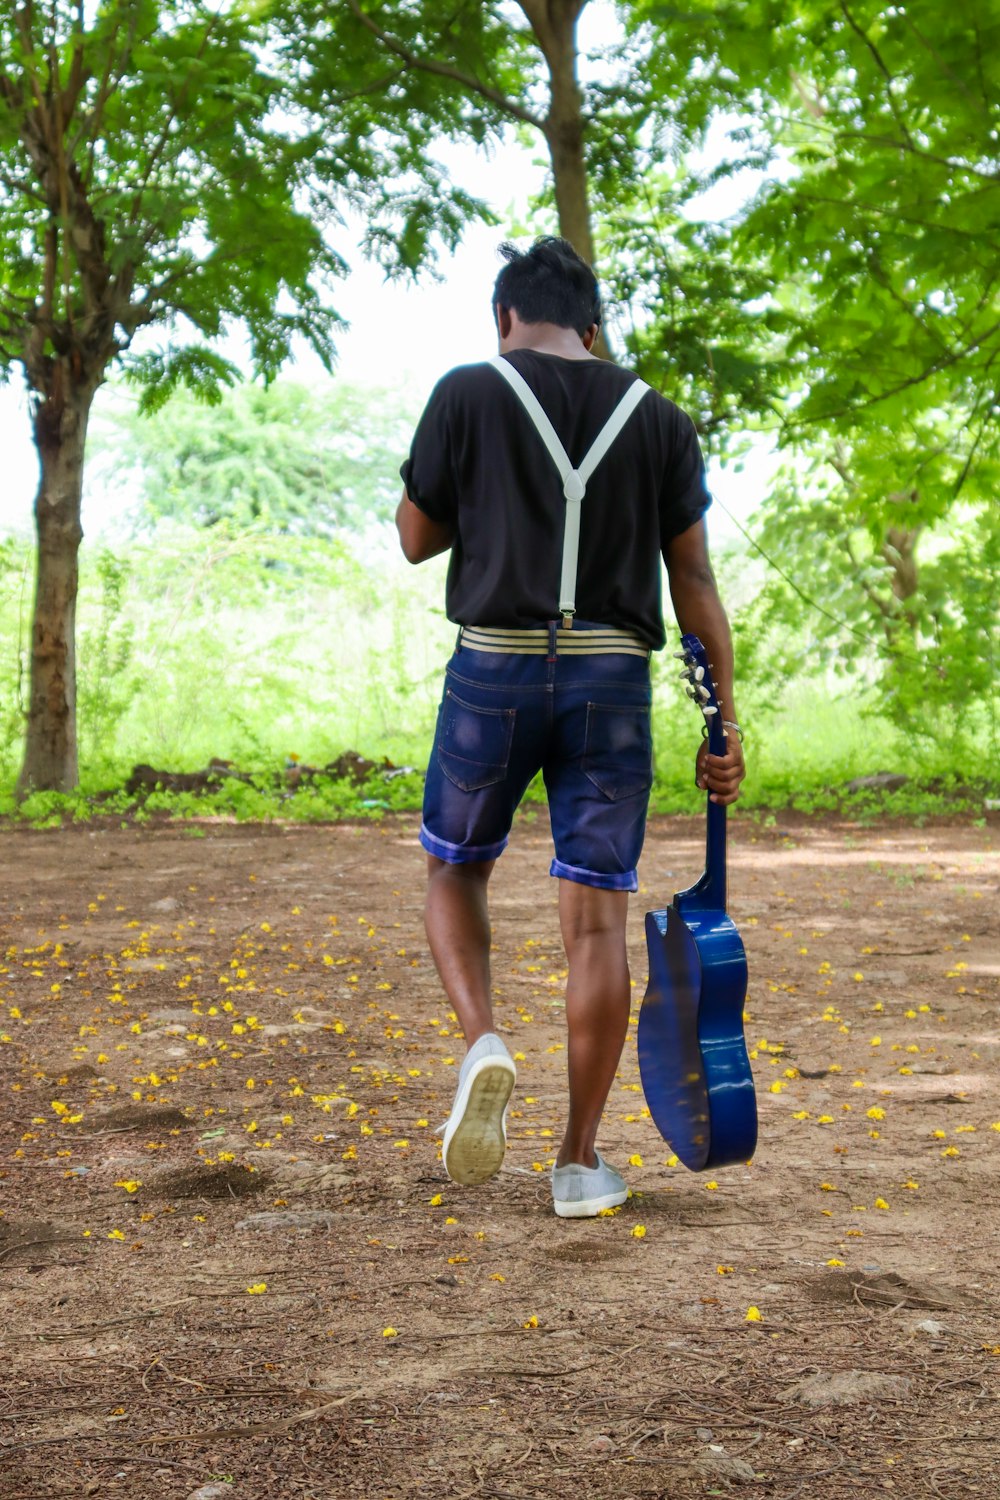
[582,720]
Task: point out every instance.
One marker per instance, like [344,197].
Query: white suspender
[574,480]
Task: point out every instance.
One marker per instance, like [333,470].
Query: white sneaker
[475,1135]
[581,1192]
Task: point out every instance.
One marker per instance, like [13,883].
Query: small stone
[882,781]
[717,1467]
[447,1279]
[929,1325]
[600,1444]
[847,1388]
[705,1434]
[213,1492]
[308,1176]
[307,1218]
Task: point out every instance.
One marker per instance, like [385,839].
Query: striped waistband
[536,641]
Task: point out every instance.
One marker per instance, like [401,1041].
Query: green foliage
[245,646]
[291,459]
[167,160]
[851,308]
[109,684]
[254,648]
[929,637]
[178,167]
[695,320]
[15,589]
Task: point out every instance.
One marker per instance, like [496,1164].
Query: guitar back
[692,1054]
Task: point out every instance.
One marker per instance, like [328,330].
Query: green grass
[255,649]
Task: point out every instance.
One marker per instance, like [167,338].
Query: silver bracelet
[730,724]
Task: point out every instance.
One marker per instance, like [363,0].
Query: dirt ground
[231,1264]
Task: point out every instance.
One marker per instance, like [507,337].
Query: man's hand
[721,774]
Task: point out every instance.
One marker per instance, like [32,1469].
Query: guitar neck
[714,880]
[711,889]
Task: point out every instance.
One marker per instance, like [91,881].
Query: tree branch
[445,70]
[21,188]
[92,119]
[371,88]
[164,137]
[834,132]
[883,69]
[985,400]
[887,612]
[953,164]
[934,368]
[891,213]
[943,67]
[884,280]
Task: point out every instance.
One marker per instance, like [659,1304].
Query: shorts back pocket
[474,744]
[618,750]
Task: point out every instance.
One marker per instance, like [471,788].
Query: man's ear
[504,322]
[590,337]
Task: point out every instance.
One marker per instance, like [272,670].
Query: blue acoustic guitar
[692,1054]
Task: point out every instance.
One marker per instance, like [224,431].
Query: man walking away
[557,480]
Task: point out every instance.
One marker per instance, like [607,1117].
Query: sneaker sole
[474,1150]
[586,1208]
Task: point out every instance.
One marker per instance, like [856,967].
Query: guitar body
[692,1054]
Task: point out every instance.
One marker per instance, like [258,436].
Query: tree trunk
[554,23]
[564,135]
[50,754]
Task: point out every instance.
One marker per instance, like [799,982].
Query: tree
[881,253]
[477,70]
[293,460]
[850,306]
[487,62]
[161,172]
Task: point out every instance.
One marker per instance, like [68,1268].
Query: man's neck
[545,338]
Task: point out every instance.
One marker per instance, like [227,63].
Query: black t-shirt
[478,464]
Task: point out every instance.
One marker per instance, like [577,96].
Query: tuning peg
[681,655]
[703,693]
[699,673]
[711,709]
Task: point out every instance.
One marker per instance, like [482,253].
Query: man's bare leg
[598,999]
[458,931]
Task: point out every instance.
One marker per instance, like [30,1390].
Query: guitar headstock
[698,672]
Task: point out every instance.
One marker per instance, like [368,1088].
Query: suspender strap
[574,481]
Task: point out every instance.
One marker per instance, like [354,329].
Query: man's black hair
[549,283]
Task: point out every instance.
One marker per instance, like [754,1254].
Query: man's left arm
[699,611]
[419,536]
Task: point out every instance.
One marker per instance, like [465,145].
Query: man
[551,672]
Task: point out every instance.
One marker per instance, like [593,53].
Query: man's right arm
[699,612]
[426,524]
[419,536]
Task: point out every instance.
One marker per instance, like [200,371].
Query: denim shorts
[582,720]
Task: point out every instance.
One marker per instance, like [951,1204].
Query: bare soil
[231,1263]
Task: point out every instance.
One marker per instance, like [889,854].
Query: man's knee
[472,872]
[588,912]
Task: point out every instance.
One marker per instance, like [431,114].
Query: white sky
[399,334]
